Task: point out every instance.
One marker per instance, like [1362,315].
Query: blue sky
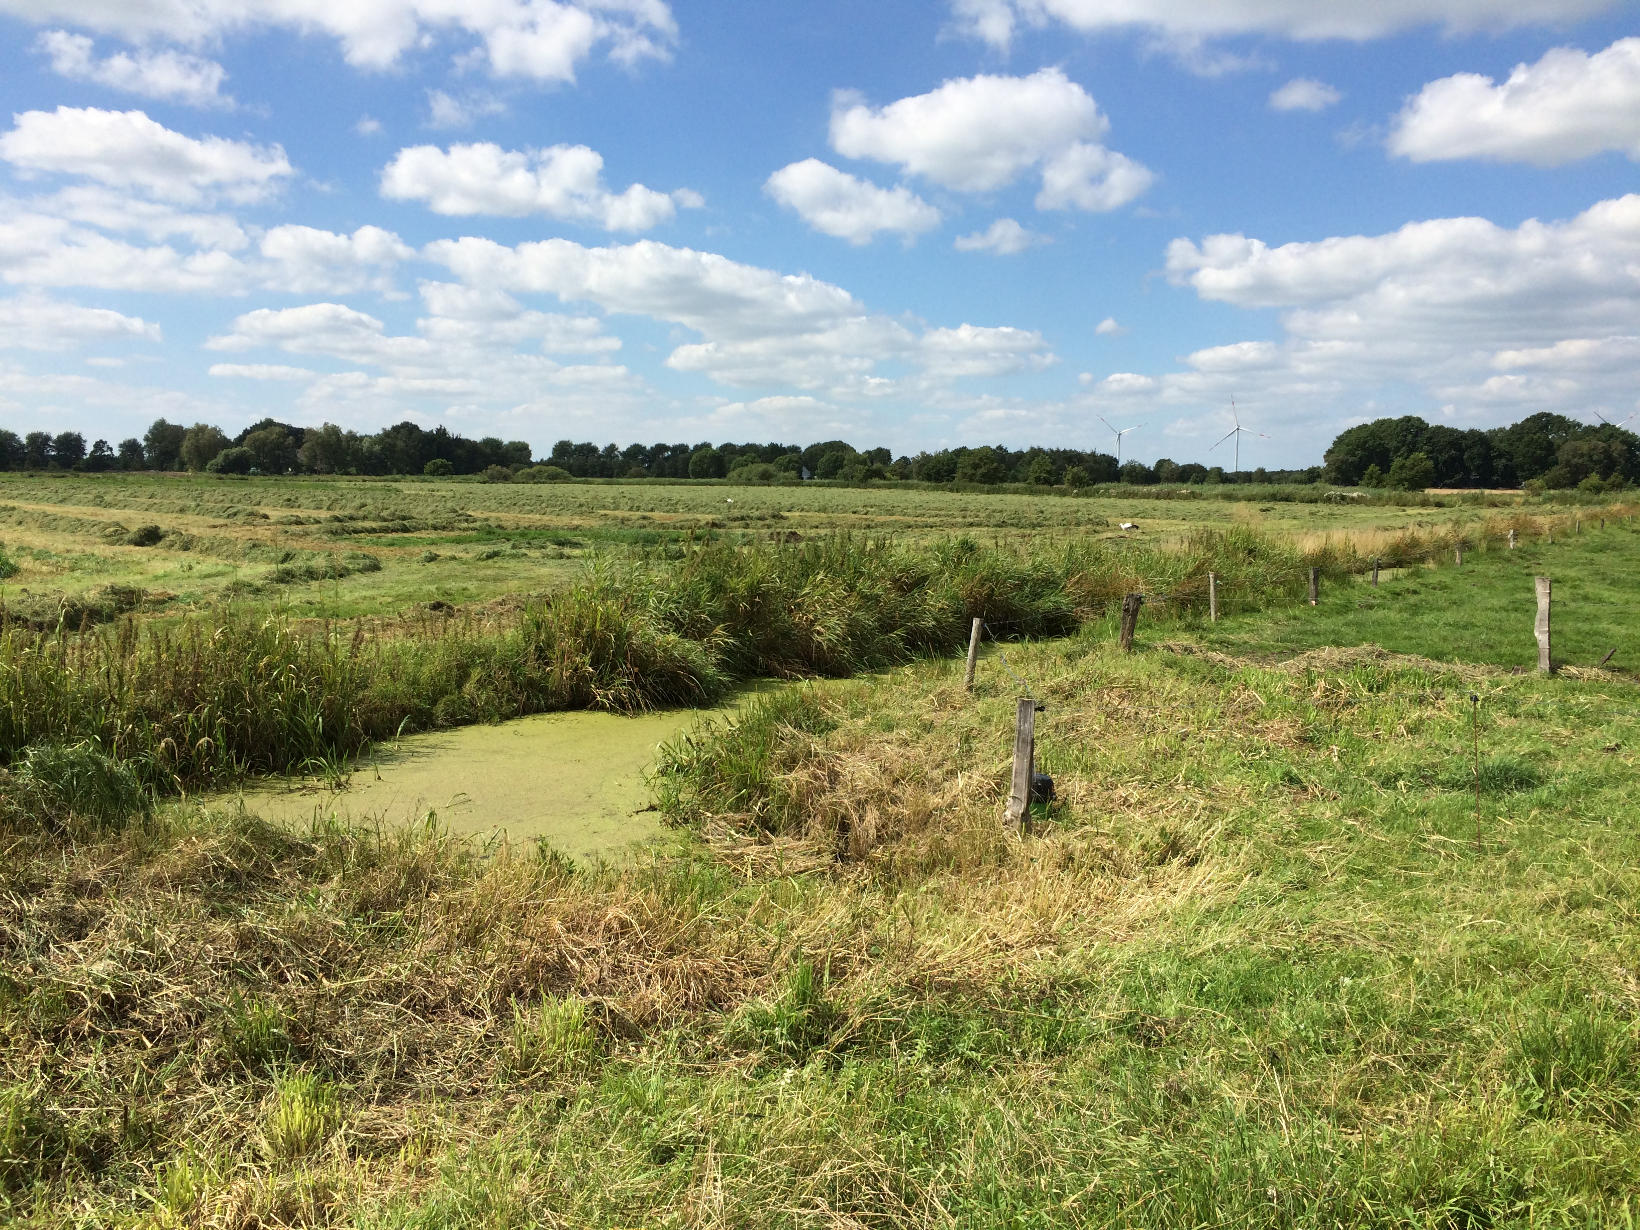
[957,222]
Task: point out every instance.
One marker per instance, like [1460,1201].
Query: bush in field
[543,474]
[496,474]
[438,467]
[8,568]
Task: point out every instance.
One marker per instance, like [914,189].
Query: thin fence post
[1542,627]
[1212,597]
[973,654]
[1375,572]
[1457,555]
[1511,540]
[1130,621]
[1579,525]
[1019,794]
[1315,586]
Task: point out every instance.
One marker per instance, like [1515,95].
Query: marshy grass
[247,690]
[1255,966]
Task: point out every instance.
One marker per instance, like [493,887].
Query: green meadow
[1331,921]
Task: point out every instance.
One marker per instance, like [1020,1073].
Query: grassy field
[101,545]
[1332,923]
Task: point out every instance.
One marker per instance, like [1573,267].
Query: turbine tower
[1238,431]
[1119,435]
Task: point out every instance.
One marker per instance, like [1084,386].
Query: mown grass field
[101,545]
[1268,961]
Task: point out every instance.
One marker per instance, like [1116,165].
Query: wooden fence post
[1542,628]
[1212,597]
[1457,555]
[1019,795]
[1315,586]
[1511,540]
[973,654]
[1375,572]
[1130,620]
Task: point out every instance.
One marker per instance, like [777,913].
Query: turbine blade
[1225,437]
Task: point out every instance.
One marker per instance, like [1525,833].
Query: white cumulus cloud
[1004,237]
[126,149]
[1304,94]
[978,134]
[565,182]
[837,203]
[173,76]
[1569,105]
[36,322]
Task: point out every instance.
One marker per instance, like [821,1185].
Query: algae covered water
[575,780]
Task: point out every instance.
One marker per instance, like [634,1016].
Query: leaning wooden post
[1019,794]
[1212,597]
[1457,555]
[1511,540]
[1542,628]
[1130,621]
[973,654]
[1315,586]
[1579,525]
[1375,572]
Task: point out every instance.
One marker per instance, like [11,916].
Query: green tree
[980,465]
[162,445]
[36,450]
[11,451]
[328,450]
[235,459]
[131,454]
[200,445]
[1413,472]
[438,467]
[275,449]
[101,458]
[706,462]
[67,449]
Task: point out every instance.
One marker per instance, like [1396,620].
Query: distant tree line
[1408,453]
[273,447]
[1547,449]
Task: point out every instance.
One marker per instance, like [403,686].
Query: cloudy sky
[919,225]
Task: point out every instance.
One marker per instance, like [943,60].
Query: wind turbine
[1119,435]
[1609,423]
[1238,431]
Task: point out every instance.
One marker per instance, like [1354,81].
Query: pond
[574,779]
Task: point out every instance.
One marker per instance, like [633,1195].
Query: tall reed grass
[250,691]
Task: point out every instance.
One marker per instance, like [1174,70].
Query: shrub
[232,461]
[543,474]
[496,474]
[438,467]
[7,567]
